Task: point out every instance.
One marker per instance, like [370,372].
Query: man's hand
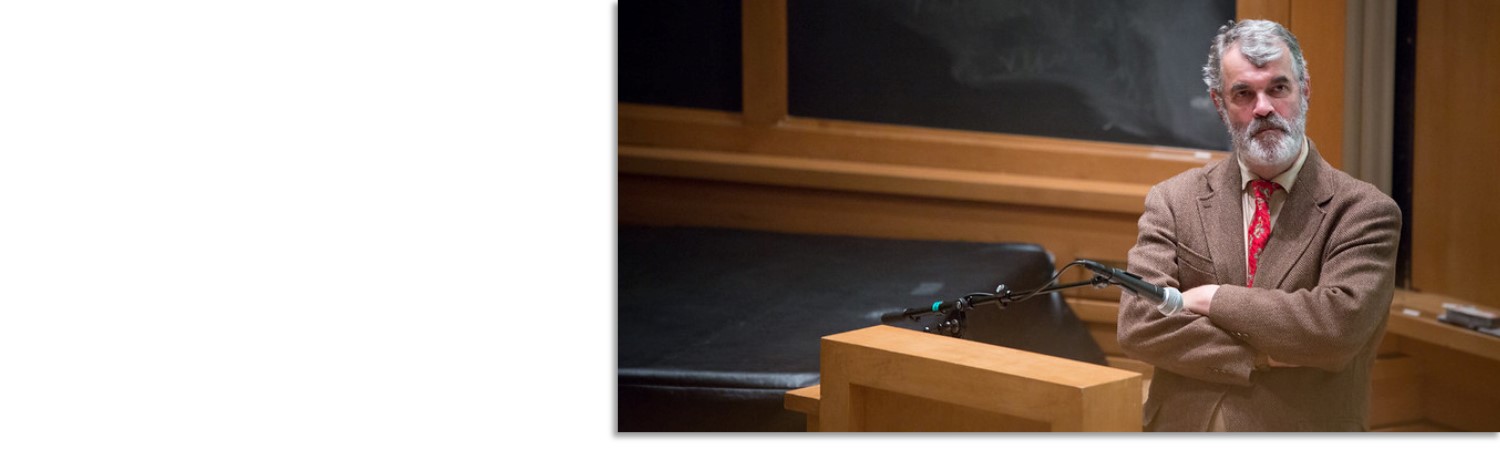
[1200,299]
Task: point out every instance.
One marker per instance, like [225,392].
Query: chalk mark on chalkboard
[1126,68]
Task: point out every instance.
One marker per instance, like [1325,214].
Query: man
[1286,264]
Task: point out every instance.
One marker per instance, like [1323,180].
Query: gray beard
[1275,153]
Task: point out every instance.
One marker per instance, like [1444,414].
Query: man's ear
[1218,102]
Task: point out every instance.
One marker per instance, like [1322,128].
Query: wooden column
[1456,149]
[765,67]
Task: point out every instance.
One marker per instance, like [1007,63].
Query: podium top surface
[995,358]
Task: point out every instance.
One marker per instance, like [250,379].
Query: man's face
[1265,109]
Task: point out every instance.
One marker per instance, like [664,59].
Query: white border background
[315,224]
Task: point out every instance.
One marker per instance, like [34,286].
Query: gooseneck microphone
[1167,299]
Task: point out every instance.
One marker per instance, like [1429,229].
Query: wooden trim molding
[894,159]
[884,178]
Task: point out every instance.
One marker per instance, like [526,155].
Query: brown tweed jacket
[1321,299]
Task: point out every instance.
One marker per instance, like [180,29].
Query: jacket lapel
[1298,222]
[1219,210]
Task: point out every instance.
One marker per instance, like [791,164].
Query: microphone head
[1171,302]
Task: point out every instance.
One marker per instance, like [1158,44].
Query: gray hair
[1257,39]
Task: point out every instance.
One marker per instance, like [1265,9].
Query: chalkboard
[1085,69]
[681,53]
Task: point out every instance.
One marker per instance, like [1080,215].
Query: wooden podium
[885,378]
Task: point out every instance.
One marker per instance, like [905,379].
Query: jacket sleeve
[1326,326]
[1187,344]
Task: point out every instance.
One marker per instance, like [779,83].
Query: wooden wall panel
[1458,389]
[1277,10]
[1320,27]
[1395,392]
[1107,336]
[1456,149]
[651,200]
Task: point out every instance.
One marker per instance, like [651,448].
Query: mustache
[1272,122]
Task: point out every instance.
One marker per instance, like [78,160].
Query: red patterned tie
[1260,225]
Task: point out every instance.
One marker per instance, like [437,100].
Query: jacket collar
[1300,218]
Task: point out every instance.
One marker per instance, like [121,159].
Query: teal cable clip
[936,305]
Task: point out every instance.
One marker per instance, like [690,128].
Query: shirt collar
[1286,179]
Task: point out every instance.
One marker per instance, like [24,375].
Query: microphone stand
[953,315]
